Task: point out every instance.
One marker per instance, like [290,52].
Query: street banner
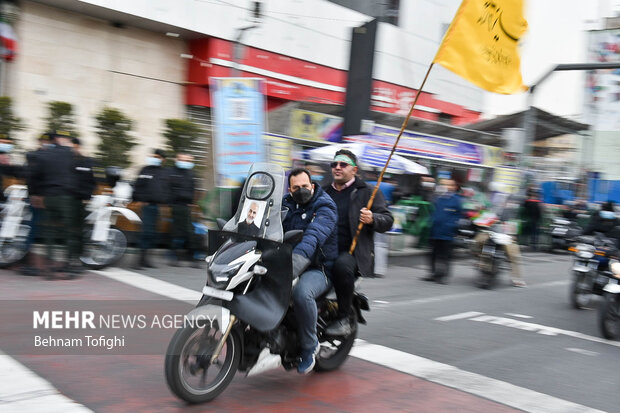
[481,44]
[279,150]
[239,123]
[313,126]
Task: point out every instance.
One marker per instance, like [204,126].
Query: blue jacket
[318,219]
[448,211]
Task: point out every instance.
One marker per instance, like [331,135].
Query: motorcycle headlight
[219,275]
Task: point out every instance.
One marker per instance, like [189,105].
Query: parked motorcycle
[609,309]
[251,325]
[104,245]
[13,233]
[590,264]
[563,233]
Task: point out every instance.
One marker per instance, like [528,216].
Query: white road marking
[523,325]
[23,391]
[582,351]
[518,315]
[459,316]
[452,297]
[153,285]
[380,302]
[446,375]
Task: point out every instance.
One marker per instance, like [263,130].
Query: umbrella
[369,156]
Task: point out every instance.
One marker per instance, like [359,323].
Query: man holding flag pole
[481,45]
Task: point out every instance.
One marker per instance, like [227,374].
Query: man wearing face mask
[351,195]
[151,189]
[448,211]
[310,209]
[182,188]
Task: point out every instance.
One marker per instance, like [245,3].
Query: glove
[300,263]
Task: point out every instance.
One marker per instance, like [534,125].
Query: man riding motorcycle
[313,211]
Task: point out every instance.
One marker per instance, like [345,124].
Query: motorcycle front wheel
[189,372]
[13,250]
[335,350]
[580,292]
[98,255]
[609,316]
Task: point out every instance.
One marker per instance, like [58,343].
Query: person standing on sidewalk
[182,188]
[448,211]
[54,169]
[351,195]
[152,189]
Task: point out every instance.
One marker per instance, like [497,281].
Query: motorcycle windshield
[258,213]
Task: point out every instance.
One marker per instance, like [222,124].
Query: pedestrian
[151,190]
[83,190]
[54,168]
[37,207]
[310,209]
[182,192]
[447,212]
[351,195]
[533,214]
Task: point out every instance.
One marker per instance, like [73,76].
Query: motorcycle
[13,233]
[104,245]
[250,323]
[563,233]
[609,309]
[590,263]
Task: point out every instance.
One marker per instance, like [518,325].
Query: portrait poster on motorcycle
[251,217]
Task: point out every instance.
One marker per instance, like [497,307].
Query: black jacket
[383,220]
[34,183]
[53,169]
[84,177]
[152,185]
[181,186]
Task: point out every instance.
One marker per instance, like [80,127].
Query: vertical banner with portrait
[238,127]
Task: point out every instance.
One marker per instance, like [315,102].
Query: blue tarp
[600,190]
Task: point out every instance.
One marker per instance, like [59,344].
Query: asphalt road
[467,349]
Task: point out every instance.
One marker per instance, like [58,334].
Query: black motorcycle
[564,233]
[245,320]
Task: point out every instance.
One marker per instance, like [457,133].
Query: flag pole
[402,129]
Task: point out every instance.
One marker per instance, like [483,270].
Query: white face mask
[428,185]
[441,189]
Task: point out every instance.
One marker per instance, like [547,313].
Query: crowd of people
[61,180]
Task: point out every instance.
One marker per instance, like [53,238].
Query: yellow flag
[481,44]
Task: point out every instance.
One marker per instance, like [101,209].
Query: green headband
[344,158]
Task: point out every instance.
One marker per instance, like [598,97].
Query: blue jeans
[312,284]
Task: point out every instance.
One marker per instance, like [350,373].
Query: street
[426,348]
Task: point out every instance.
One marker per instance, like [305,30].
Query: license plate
[213,292]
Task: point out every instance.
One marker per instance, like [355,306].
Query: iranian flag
[8,44]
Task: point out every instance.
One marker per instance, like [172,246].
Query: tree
[61,117]
[181,135]
[113,128]
[8,122]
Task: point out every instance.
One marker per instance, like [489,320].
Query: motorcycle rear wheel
[609,316]
[188,363]
[335,350]
[580,297]
[98,255]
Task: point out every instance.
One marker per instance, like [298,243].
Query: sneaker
[341,327]
[519,283]
[308,359]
